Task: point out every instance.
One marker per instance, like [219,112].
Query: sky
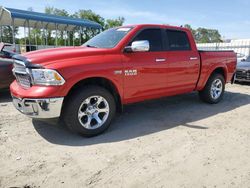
[231,18]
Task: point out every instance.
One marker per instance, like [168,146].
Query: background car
[241,57]
[243,71]
[6,65]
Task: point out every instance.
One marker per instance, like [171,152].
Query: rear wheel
[89,111]
[214,89]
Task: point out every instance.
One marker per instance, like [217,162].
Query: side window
[2,54]
[153,36]
[178,41]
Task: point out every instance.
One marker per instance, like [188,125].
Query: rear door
[183,62]
[145,72]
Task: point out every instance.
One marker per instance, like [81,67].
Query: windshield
[109,38]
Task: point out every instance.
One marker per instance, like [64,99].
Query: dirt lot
[172,142]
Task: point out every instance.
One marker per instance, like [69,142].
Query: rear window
[177,41]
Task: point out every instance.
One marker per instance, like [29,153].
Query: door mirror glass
[138,46]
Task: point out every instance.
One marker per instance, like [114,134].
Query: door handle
[193,58]
[160,60]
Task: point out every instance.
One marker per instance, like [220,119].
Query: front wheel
[214,89]
[89,111]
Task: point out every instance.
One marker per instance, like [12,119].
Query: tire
[89,111]
[207,95]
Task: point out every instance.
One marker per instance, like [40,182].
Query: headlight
[46,77]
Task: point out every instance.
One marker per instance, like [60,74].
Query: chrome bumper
[242,80]
[39,108]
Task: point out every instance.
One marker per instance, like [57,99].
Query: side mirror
[138,46]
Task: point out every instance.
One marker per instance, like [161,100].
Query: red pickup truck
[86,85]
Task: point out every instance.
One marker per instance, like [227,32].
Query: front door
[145,72]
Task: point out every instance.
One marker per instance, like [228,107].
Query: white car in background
[241,57]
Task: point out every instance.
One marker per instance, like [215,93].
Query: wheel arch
[98,81]
[218,69]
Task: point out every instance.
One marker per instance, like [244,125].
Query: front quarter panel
[77,69]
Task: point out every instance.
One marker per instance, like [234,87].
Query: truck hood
[243,65]
[53,55]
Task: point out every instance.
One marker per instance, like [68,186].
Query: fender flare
[201,83]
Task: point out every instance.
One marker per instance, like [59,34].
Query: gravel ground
[171,142]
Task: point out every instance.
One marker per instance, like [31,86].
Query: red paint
[177,75]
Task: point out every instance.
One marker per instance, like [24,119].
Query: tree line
[87,32]
[203,35]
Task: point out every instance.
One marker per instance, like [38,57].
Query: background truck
[86,85]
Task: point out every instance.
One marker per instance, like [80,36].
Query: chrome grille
[243,74]
[21,74]
[19,67]
[23,80]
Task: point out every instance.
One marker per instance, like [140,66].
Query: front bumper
[242,75]
[43,108]
[242,80]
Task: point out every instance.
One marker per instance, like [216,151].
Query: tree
[7,33]
[92,16]
[114,22]
[208,35]
[30,9]
[57,12]
[204,35]
[89,15]
[190,28]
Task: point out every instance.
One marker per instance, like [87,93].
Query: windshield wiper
[90,46]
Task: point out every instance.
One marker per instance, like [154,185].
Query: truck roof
[158,25]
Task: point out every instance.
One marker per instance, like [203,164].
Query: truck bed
[212,59]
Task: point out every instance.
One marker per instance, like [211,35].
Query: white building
[240,46]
